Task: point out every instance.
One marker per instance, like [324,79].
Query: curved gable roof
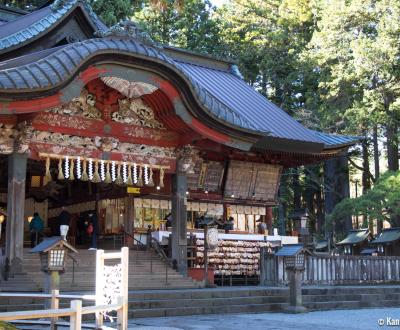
[221,93]
[28,27]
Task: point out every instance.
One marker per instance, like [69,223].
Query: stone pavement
[364,319]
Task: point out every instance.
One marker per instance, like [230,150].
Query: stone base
[295,309]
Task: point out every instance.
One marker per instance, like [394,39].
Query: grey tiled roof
[333,140]
[224,95]
[37,22]
[355,236]
[388,236]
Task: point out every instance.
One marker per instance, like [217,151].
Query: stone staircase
[174,302]
[257,300]
[146,271]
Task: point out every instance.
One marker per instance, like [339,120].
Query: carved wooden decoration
[130,89]
[84,106]
[134,111]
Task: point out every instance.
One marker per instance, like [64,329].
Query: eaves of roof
[334,141]
[355,237]
[387,236]
[223,95]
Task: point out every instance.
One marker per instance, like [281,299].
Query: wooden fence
[75,311]
[326,269]
[111,295]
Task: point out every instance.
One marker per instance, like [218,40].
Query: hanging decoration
[135,174]
[96,175]
[124,173]
[102,171]
[118,179]
[78,168]
[151,181]
[84,176]
[47,176]
[129,178]
[113,174]
[146,175]
[60,171]
[139,179]
[71,170]
[108,175]
[99,170]
[66,167]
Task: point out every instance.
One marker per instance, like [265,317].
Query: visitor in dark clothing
[93,224]
[36,227]
[64,219]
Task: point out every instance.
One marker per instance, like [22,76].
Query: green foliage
[188,25]
[266,37]
[355,49]
[111,12]
[382,202]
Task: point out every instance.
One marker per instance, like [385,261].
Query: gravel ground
[364,319]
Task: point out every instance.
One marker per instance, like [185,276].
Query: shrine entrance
[118,126]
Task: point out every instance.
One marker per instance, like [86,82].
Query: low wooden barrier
[111,295]
[75,311]
[327,269]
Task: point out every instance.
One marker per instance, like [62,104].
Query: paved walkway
[364,319]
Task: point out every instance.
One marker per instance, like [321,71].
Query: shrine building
[104,120]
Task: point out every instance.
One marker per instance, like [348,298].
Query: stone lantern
[210,243]
[53,252]
[294,260]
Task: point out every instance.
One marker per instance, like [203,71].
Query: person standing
[93,224]
[64,219]
[36,227]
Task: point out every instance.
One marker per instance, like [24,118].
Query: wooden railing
[117,302]
[74,312]
[327,269]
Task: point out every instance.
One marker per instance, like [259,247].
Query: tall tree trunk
[336,183]
[282,207]
[320,210]
[296,188]
[365,180]
[392,145]
[379,224]
[392,152]
[308,194]
[376,152]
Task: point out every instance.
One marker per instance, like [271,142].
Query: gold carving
[83,105]
[187,157]
[7,133]
[134,111]
[102,143]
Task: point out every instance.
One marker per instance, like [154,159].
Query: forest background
[331,64]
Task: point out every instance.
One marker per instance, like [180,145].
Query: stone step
[356,297]
[205,302]
[181,311]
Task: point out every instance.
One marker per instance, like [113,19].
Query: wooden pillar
[268,220]
[179,231]
[129,214]
[15,210]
